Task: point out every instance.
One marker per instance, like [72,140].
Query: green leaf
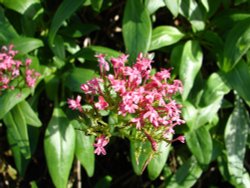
[20,161]
[165,36]
[215,88]
[205,3]
[30,116]
[65,10]
[7,32]
[191,61]
[173,6]
[236,45]
[239,80]
[10,98]
[59,49]
[136,28]
[78,76]
[238,2]
[186,175]
[154,5]
[16,125]
[84,150]
[78,30]
[158,161]
[25,44]
[194,13]
[235,136]
[96,5]
[200,143]
[141,153]
[104,182]
[59,146]
[19,6]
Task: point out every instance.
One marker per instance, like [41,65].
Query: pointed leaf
[191,60]
[16,124]
[96,5]
[65,10]
[136,28]
[159,160]
[59,146]
[165,36]
[25,45]
[194,13]
[200,143]
[10,98]
[141,153]
[20,161]
[235,136]
[19,6]
[154,5]
[239,80]
[173,6]
[236,45]
[186,175]
[30,116]
[215,88]
[84,149]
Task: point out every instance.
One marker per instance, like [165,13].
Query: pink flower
[75,104]
[181,139]
[101,142]
[101,104]
[103,64]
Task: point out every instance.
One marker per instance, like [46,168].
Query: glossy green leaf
[173,6]
[191,61]
[59,147]
[215,88]
[186,175]
[78,76]
[25,44]
[7,32]
[65,10]
[154,5]
[239,80]
[235,136]
[59,49]
[19,6]
[194,13]
[10,98]
[20,161]
[84,150]
[141,153]
[136,28]
[205,3]
[200,143]
[236,45]
[164,36]
[96,5]
[30,116]
[158,161]
[16,125]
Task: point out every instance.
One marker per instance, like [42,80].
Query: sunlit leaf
[19,6]
[154,5]
[25,44]
[235,136]
[200,143]
[191,61]
[136,27]
[59,147]
[186,175]
[84,150]
[236,45]
[158,161]
[173,6]
[164,36]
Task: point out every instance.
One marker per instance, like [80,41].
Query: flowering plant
[11,75]
[142,102]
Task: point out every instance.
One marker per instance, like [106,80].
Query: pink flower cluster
[147,98]
[10,69]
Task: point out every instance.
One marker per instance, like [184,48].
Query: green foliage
[206,42]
